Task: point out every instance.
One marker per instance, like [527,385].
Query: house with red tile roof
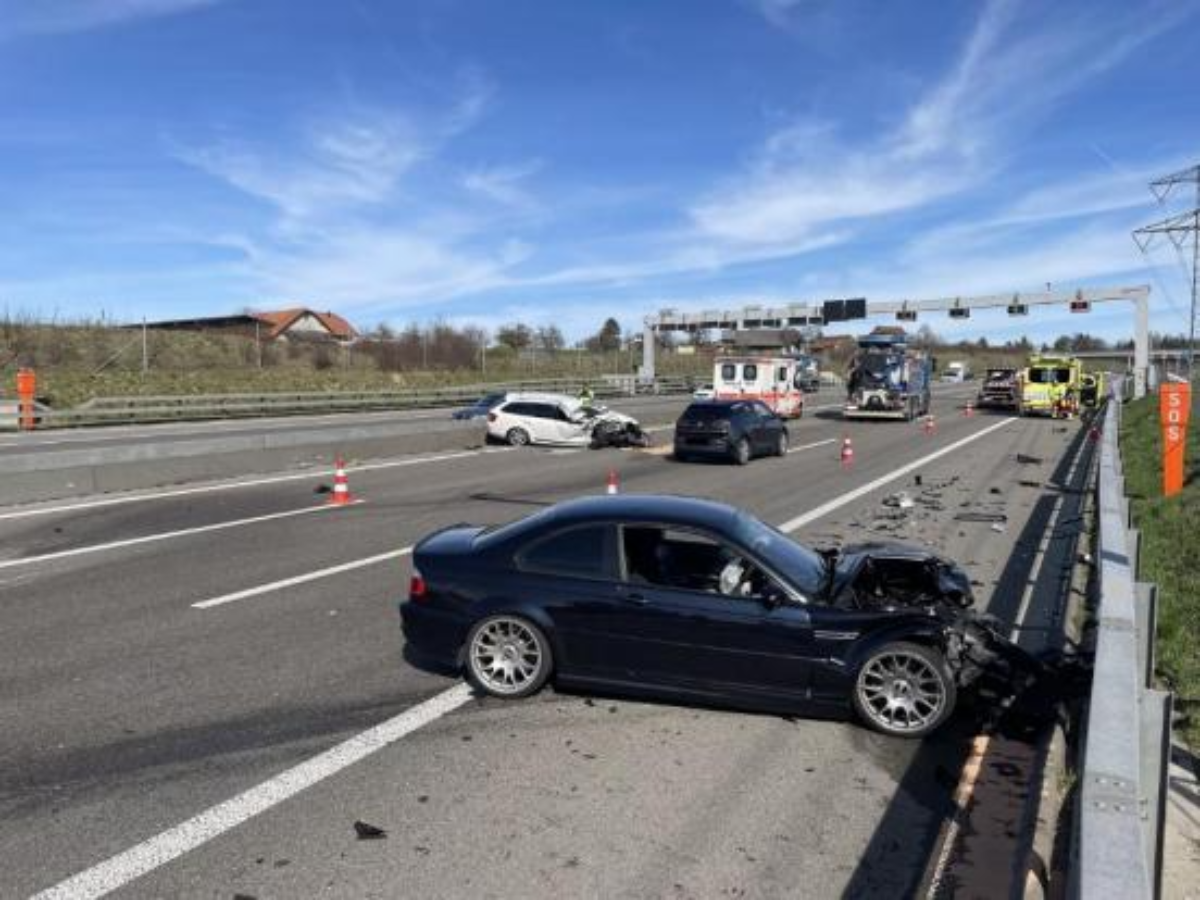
[296,323]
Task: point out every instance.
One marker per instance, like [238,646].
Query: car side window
[681,559]
[728,372]
[750,372]
[516,409]
[582,552]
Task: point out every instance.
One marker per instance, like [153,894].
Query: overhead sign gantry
[799,315]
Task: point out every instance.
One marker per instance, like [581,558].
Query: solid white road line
[825,508]
[301,579]
[164,536]
[308,475]
[161,849]
[810,446]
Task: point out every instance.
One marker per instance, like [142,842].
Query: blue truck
[888,379]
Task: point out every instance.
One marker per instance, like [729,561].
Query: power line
[1178,229]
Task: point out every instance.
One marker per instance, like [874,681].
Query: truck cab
[887,380]
[1051,386]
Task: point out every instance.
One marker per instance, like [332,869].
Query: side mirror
[773,598]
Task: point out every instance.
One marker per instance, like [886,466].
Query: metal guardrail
[148,409]
[1117,847]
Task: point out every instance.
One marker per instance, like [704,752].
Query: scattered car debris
[1029,484]
[1029,460]
[368,832]
[998,527]
[901,500]
[980,517]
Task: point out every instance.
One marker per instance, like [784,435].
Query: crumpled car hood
[889,574]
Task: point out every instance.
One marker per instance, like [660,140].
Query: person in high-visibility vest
[586,396]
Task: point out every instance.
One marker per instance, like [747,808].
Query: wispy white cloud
[362,215]
[341,163]
[954,137]
[27,17]
[503,184]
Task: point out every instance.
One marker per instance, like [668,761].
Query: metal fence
[195,407]
[1117,849]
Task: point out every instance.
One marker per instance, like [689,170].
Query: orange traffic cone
[969,409]
[341,484]
[847,453]
[613,486]
[930,424]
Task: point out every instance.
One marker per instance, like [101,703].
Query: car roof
[664,508]
[724,403]
[542,397]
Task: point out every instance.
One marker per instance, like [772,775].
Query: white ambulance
[775,380]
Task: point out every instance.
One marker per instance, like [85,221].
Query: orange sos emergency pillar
[26,388]
[1174,406]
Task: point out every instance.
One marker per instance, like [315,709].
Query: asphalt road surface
[230,661]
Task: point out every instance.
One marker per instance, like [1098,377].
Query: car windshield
[801,566]
[1050,376]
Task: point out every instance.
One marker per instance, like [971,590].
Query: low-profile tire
[517,437]
[741,452]
[904,690]
[781,444]
[508,656]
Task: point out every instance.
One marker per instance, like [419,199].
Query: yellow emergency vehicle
[1051,386]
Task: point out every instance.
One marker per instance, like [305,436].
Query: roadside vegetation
[79,361]
[1170,546]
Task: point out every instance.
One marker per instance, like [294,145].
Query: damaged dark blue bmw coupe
[697,600]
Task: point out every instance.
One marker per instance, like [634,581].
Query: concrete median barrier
[58,473]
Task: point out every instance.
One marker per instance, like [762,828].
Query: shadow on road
[896,859]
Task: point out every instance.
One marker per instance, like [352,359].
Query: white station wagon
[557,419]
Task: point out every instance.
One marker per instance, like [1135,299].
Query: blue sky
[484,161]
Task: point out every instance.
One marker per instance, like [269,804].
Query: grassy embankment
[77,362]
[1170,553]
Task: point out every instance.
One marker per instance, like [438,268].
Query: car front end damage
[897,581]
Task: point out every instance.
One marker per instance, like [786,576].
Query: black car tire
[682,457]
[521,655]
[517,437]
[741,451]
[904,690]
[781,444]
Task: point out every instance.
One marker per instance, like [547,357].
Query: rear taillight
[491,417]
[417,589]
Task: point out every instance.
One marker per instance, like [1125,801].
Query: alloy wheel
[507,656]
[901,691]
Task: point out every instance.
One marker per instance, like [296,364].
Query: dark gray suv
[736,430]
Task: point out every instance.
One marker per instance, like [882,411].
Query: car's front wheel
[741,451]
[781,444]
[905,690]
[508,656]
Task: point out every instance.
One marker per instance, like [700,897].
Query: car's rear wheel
[517,437]
[508,656]
[781,444]
[741,451]
[904,690]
